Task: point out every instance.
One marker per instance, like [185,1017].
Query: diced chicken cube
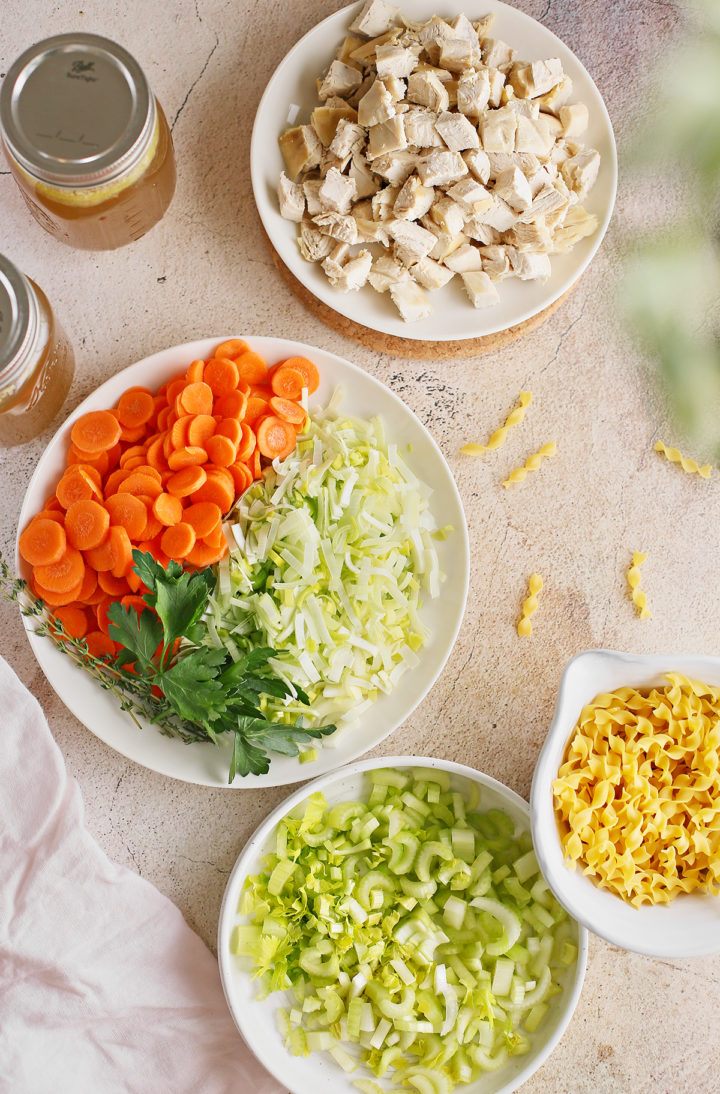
[326,119]
[370,230]
[375,18]
[533,236]
[445,244]
[529,266]
[448,215]
[480,289]
[311,188]
[425,89]
[463,28]
[340,80]
[580,171]
[291,199]
[548,199]
[312,243]
[414,200]
[473,92]
[349,138]
[497,86]
[497,129]
[396,60]
[430,274]
[301,149]
[339,226]
[534,135]
[496,53]
[383,201]
[530,79]
[495,261]
[410,300]
[471,195]
[420,128]
[337,192]
[365,182]
[385,137]
[354,272]
[501,216]
[387,271]
[396,89]
[412,243]
[557,97]
[395,166]
[431,36]
[481,233]
[376,106]
[514,188]
[478,163]
[464,259]
[578,224]
[441,168]
[333,264]
[484,26]
[574,119]
[458,133]
[458,54]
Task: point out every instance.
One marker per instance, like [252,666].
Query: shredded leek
[335,553]
[396,953]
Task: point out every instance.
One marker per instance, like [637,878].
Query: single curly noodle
[532,463]
[524,627]
[500,435]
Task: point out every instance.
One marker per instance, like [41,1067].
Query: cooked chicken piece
[341,80]
[534,236]
[396,89]
[448,215]
[481,233]
[534,135]
[532,78]
[495,261]
[395,166]
[500,217]
[339,226]
[412,243]
[365,181]
[364,55]
[497,86]
[370,230]
[463,28]
[497,54]
[480,289]
[291,198]
[312,243]
[578,224]
[529,266]
[395,60]
[376,106]
[383,202]
[420,128]
[301,149]
[478,163]
[432,34]
[497,129]
[559,154]
[581,170]
[441,168]
[574,119]
[556,98]
[540,176]
[414,200]
[484,26]
[442,74]
[503,161]
[527,107]
[430,274]
[464,259]
[410,300]
[344,54]
[325,120]
[387,271]
[426,89]
[311,191]
[337,192]
[551,197]
[445,243]
[385,137]
[375,18]
[349,138]
[354,99]
[471,195]
[513,186]
[333,264]
[457,54]
[457,132]
[348,274]
[473,92]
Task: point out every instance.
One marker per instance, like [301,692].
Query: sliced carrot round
[221,450]
[202,517]
[195,372]
[178,541]
[77,484]
[121,548]
[219,488]
[197,399]
[65,574]
[202,555]
[131,452]
[96,431]
[53,599]
[43,542]
[276,438]
[232,405]
[200,428]
[86,524]
[215,536]
[247,443]
[167,509]
[153,527]
[242,477]
[135,408]
[89,585]
[288,410]
[230,427]
[99,645]
[179,431]
[307,369]
[232,348]
[186,481]
[190,456]
[287,382]
[251,367]
[221,375]
[111,585]
[256,407]
[140,483]
[74,620]
[129,512]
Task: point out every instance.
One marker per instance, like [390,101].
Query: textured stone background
[641,1025]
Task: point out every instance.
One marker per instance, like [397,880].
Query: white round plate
[293,85]
[204,763]
[256,1019]
[690,925]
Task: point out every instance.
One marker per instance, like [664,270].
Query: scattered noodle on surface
[637,797]
[674,455]
[531,464]
[633,577]
[498,437]
[524,627]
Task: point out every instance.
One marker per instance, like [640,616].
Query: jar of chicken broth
[87,142]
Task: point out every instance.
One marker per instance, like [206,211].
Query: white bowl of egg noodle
[687,926]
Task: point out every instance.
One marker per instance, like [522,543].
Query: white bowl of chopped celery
[689,924]
[403,900]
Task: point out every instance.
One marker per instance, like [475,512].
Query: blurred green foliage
[672,285]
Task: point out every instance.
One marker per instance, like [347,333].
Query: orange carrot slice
[252,368]
[221,450]
[197,399]
[128,511]
[221,375]
[111,585]
[200,428]
[232,348]
[135,408]
[287,382]
[195,372]
[74,620]
[86,524]
[229,427]
[190,456]
[96,431]
[99,645]
[256,407]
[65,574]
[43,542]
[308,371]
[276,438]
[77,485]
[232,405]
[167,509]
[186,481]
[178,541]
[219,488]
[202,516]
[288,410]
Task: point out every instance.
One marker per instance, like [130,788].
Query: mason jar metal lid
[76,110]
[17,313]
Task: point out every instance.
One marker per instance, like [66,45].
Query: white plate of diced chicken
[441,171]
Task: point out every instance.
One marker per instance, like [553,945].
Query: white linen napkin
[103,986]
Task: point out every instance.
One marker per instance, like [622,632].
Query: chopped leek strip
[335,551]
[402,926]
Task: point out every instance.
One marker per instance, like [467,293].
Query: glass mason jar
[36,359]
[87,143]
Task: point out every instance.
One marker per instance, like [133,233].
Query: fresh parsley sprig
[166,674]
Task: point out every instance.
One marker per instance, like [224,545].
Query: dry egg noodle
[637,797]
